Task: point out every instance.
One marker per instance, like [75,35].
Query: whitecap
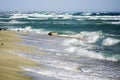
[18,15]
[115,22]
[110,41]
[89,37]
[29,29]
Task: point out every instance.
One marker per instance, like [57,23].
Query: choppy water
[87,48]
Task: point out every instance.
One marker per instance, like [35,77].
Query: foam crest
[82,48]
[67,32]
[84,52]
[18,15]
[87,53]
[75,43]
[89,37]
[45,15]
[41,16]
[86,14]
[29,29]
[13,22]
[104,17]
[115,22]
[16,22]
[69,42]
[110,41]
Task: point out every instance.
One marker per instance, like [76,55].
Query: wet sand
[10,63]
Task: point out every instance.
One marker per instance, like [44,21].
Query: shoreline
[9,63]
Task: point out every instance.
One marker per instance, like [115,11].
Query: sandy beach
[9,63]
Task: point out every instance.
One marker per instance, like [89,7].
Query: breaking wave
[44,16]
[84,44]
[29,29]
[110,41]
[89,37]
[41,16]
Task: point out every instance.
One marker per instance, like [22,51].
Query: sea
[87,46]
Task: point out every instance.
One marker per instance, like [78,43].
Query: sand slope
[9,63]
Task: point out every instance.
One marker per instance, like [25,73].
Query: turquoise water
[86,41]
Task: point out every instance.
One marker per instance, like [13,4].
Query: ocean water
[87,46]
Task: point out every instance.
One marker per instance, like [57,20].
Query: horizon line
[60,11]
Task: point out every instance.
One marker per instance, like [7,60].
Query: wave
[97,14]
[83,45]
[53,15]
[87,53]
[44,16]
[110,41]
[89,37]
[82,49]
[13,22]
[14,16]
[97,17]
[41,16]
[115,22]
[16,22]
[29,29]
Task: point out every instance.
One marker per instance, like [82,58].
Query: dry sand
[9,63]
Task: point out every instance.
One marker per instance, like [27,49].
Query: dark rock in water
[52,33]
[78,68]
[18,30]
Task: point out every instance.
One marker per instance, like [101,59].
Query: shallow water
[59,64]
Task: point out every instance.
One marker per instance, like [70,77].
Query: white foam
[68,42]
[29,29]
[76,43]
[110,41]
[34,15]
[86,53]
[62,65]
[115,22]
[86,13]
[68,32]
[13,22]
[89,37]
[41,16]
[18,15]
[62,74]
[81,48]
[52,15]
[106,17]
[16,22]
[49,61]
[96,17]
